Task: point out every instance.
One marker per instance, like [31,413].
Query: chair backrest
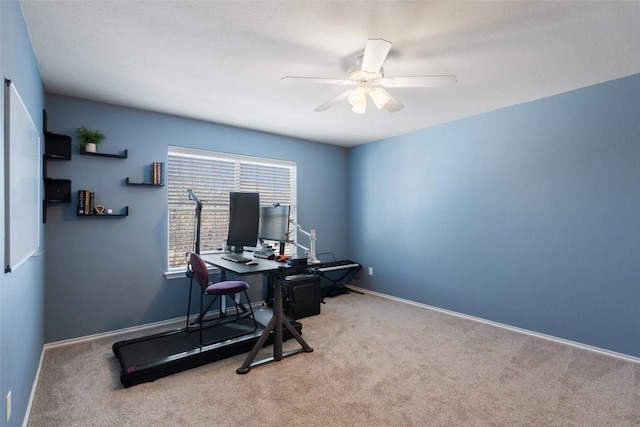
[200,271]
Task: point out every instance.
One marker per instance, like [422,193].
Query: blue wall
[108,274]
[21,292]
[528,216]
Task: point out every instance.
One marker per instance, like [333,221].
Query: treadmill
[155,356]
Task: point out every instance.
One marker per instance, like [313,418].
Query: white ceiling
[222,61]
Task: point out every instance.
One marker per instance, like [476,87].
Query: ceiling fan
[367,78]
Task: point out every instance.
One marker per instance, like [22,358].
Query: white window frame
[205,187]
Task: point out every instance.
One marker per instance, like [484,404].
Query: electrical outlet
[370,271]
[8,411]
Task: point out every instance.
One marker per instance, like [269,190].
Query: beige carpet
[376,362]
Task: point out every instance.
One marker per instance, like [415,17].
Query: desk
[270,268]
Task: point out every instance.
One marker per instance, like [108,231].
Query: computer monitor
[244,217]
[274,226]
[274,223]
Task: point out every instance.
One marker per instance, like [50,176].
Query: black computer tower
[301,295]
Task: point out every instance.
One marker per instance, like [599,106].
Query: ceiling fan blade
[418,81]
[333,101]
[375,52]
[320,80]
[393,104]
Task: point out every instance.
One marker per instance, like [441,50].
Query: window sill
[175,274]
[181,274]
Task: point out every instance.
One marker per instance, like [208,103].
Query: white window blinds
[212,176]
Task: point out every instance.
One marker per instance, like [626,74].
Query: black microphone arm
[193,197]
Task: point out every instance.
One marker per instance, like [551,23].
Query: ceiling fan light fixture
[361,108]
[379,96]
[358,100]
[358,97]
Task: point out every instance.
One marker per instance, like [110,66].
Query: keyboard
[338,265]
[236,258]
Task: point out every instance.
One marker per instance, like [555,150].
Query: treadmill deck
[155,356]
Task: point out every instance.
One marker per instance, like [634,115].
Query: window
[212,176]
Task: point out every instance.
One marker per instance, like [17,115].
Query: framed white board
[21,181]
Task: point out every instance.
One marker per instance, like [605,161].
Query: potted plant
[89,139]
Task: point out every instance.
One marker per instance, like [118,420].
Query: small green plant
[88,136]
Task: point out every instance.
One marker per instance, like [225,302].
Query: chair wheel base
[242,371]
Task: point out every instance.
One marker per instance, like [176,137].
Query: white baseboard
[34,386]
[582,346]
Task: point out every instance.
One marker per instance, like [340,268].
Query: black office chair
[229,288]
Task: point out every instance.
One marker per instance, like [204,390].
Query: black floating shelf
[56,157]
[57,146]
[57,190]
[124,212]
[122,155]
[147,184]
